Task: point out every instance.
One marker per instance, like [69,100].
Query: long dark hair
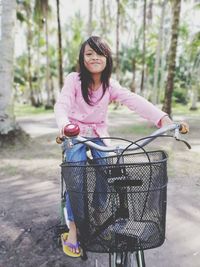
[101,48]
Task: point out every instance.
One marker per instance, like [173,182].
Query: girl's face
[94,62]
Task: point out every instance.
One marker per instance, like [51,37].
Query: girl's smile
[94,62]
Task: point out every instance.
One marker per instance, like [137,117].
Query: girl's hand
[184,128]
[167,121]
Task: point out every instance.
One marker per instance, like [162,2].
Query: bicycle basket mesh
[119,202]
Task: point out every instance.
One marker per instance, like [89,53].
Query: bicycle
[134,214]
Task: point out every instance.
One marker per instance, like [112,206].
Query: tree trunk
[47,83]
[117,71]
[133,84]
[144,47]
[29,41]
[172,56]
[60,60]
[150,12]
[7,37]
[90,17]
[194,98]
[154,97]
[117,40]
[103,19]
[39,98]
[161,85]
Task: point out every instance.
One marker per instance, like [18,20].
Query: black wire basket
[119,202]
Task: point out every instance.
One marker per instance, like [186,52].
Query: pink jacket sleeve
[64,101]
[136,103]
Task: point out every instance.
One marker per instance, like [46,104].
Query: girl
[84,101]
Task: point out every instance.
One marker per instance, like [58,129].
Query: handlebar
[133,145]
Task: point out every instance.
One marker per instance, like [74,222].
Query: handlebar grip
[71,130]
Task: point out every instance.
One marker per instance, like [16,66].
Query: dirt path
[29,200]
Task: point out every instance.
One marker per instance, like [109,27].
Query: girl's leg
[75,154]
[100,195]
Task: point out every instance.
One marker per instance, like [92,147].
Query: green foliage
[195,45]
[182,72]
[181,82]
[127,54]
[20,16]
[184,31]
[180,95]
[20,74]
[18,79]
[179,108]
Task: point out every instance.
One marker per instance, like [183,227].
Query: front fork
[140,258]
[118,259]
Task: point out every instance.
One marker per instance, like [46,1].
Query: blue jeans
[76,154]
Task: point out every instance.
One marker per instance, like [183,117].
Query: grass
[137,129]
[179,109]
[9,169]
[26,110]
[21,110]
[176,109]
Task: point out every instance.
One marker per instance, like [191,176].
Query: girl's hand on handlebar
[69,130]
[184,128]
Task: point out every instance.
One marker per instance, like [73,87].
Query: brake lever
[177,137]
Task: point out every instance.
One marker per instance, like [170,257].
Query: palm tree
[155,99]
[7,37]
[42,10]
[60,59]
[24,15]
[144,46]
[103,21]
[176,7]
[195,69]
[117,39]
[90,18]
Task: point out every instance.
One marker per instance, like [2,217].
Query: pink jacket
[71,107]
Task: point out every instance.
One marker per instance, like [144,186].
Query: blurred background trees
[155,44]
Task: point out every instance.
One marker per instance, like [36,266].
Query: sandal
[67,246]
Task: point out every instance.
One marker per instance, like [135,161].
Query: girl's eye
[88,54]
